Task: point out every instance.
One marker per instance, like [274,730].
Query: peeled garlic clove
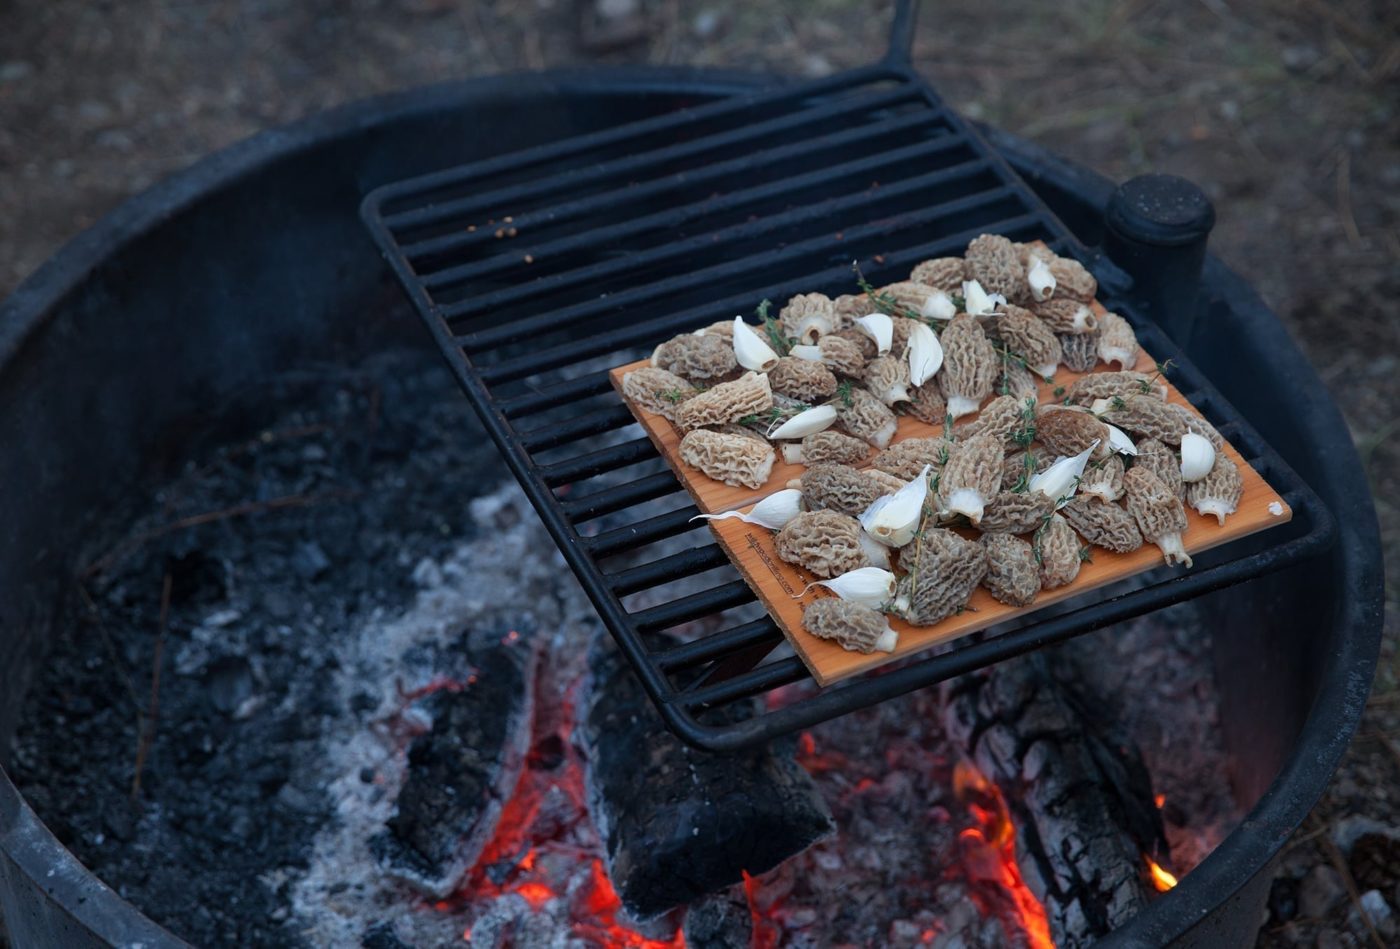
[809,353]
[977,301]
[879,327]
[939,306]
[868,586]
[875,552]
[925,354]
[893,518]
[1100,406]
[1119,441]
[1061,480]
[773,512]
[806,423]
[1197,457]
[1041,280]
[751,351]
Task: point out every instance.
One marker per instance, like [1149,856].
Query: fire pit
[241,299]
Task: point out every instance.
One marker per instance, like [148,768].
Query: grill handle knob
[1157,229]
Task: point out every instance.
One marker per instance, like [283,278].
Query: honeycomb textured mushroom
[1005,419]
[1015,380]
[1103,524]
[842,356]
[802,379]
[970,366]
[1196,423]
[887,378]
[1057,548]
[1117,341]
[1079,352]
[996,263]
[733,459]
[852,626]
[807,317]
[860,339]
[1110,385]
[971,477]
[1065,315]
[926,403]
[1027,336]
[901,327]
[825,543]
[1016,512]
[1158,513]
[724,328]
[824,447]
[1145,416]
[656,390]
[1018,466]
[884,482]
[1013,577]
[703,360]
[906,459]
[941,273]
[1218,493]
[850,307]
[944,569]
[867,418]
[1103,479]
[840,488]
[750,394]
[1072,280]
[1162,462]
[1067,430]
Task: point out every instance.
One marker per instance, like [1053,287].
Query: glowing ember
[765,935]
[1160,800]
[989,852]
[1162,878]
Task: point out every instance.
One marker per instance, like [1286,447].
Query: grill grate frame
[531,346]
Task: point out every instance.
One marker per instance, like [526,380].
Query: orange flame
[764,935]
[1162,878]
[1160,800]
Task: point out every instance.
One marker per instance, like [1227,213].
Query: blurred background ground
[1285,110]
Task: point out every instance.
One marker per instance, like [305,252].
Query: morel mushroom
[802,379]
[1057,549]
[1015,380]
[1013,576]
[807,317]
[1103,479]
[1006,418]
[703,360]
[914,297]
[1158,513]
[1218,493]
[941,273]
[1145,416]
[1066,315]
[944,569]
[887,378]
[1017,468]
[971,477]
[656,390]
[1110,385]
[1162,462]
[859,338]
[926,403]
[1079,351]
[842,356]
[1198,424]
[827,446]
[1117,341]
[1016,512]
[854,627]
[733,459]
[1103,524]
[867,418]
[907,458]
[1068,430]
[750,394]
[841,488]
[995,263]
[970,366]
[1027,336]
[1072,280]
[823,542]
[850,307]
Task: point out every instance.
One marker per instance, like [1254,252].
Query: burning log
[678,823]
[461,770]
[1080,797]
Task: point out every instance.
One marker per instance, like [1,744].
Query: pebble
[309,560]
[1321,890]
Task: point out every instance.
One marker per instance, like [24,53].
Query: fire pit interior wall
[163,322]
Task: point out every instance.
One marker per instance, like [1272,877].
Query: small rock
[279,605]
[427,573]
[309,560]
[1320,890]
[1376,907]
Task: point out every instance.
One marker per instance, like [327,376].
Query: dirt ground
[1285,110]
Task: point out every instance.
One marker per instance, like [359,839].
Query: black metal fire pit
[182,303]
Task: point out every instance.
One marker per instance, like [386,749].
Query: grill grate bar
[561,393]
[597,462]
[597,203]
[638,333]
[687,608]
[684,564]
[643,532]
[766,677]
[617,497]
[716,645]
[559,433]
[692,279]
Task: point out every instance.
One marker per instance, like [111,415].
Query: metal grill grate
[538,271]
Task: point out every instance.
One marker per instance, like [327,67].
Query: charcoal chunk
[676,822]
